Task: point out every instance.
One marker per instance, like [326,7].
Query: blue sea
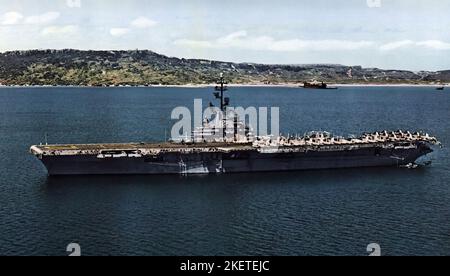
[334,212]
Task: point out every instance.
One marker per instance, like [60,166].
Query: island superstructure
[236,150]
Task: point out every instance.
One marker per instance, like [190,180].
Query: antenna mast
[219,94]
[224,101]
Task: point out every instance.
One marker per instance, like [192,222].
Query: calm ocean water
[299,213]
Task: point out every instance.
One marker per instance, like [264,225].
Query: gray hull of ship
[232,162]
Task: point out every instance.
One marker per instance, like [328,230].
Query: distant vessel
[440,88]
[317,85]
[237,151]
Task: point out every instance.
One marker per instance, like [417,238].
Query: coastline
[254,85]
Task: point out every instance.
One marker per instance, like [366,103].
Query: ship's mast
[224,101]
[219,94]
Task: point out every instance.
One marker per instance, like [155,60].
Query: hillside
[97,68]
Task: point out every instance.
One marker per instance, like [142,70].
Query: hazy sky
[397,34]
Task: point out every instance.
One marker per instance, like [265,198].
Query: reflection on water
[312,177]
[314,212]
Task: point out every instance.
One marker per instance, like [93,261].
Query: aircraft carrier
[237,150]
